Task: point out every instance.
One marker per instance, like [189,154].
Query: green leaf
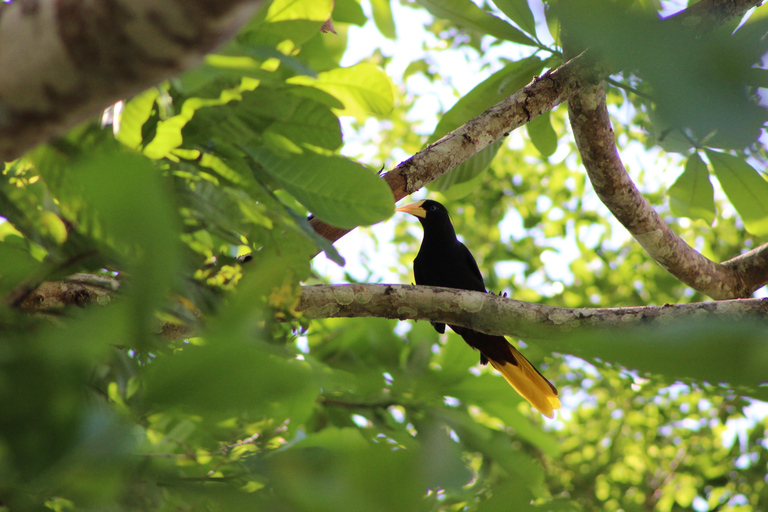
[466,14]
[692,194]
[128,204]
[487,93]
[168,134]
[518,11]
[364,89]
[135,113]
[229,375]
[543,135]
[468,169]
[301,120]
[382,16]
[699,342]
[349,11]
[356,474]
[336,190]
[495,88]
[313,10]
[746,189]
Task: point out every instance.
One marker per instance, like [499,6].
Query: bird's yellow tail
[531,385]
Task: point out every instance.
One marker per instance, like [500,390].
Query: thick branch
[480,311]
[595,139]
[493,314]
[596,142]
[66,60]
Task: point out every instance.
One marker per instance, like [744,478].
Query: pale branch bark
[63,61]
[541,95]
[595,139]
[484,312]
[596,142]
[498,315]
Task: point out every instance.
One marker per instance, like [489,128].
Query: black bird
[444,261]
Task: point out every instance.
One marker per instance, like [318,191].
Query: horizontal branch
[484,312]
[498,315]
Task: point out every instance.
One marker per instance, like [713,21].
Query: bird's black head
[429,212]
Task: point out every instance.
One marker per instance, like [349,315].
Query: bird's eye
[432,207]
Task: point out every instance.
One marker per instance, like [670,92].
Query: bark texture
[497,315]
[595,139]
[543,94]
[66,60]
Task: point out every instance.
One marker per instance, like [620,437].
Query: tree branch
[483,312]
[597,146]
[595,139]
[493,314]
[541,95]
[66,60]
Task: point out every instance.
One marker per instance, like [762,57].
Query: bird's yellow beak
[413,209]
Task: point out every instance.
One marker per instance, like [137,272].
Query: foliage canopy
[264,409]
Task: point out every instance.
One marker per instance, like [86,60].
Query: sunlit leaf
[543,135]
[746,189]
[135,113]
[518,11]
[466,14]
[336,190]
[382,16]
[314,10]
[363,88]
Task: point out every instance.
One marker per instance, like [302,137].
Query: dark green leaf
[746,189]
[301,120]
[487,93]
[349,11]
[518,11]
[466,14]
[468,169]
[692,194]
[543,135]
[336,190]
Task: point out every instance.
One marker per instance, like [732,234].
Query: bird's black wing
[472,265]
[418,276]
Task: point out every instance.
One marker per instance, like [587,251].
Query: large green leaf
[357,474]
[285,10]
[230,375]
[466,14]
[487,93]
[713,350]
[382,16]
[302,120]
[692,194]
[349,11]
[364,89]
[746,189]
[468,169]
[135,113]
[543,135]
[336,190]
[518,11]
[495,88]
